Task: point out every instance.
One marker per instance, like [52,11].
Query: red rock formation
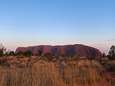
[66,50]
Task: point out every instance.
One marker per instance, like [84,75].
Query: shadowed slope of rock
[65,50]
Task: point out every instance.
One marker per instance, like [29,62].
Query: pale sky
[57,22]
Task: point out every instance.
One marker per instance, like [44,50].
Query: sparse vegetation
[26,54]
[16,69]
[111,53]
[39,72]
[2,50]
[10,53]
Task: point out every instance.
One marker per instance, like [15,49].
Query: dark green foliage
[28,53]
[2,50]
[111,53]
[10,53]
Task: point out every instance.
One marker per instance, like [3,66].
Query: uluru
[78,50]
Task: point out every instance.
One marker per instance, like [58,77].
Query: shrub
[10,53]
[111,53]
[48,56]
[28,53]
[2,50]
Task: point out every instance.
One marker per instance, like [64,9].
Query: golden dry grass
[44,73]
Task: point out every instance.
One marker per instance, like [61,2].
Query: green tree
[28,53]
[11,53]
[111,53]
[2,50]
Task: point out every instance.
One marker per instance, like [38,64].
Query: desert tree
[2,50]
[28,53]
[111,53]
[11,53]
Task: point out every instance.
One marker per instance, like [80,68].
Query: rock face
[65,50]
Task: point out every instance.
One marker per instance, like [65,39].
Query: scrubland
[39,72]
